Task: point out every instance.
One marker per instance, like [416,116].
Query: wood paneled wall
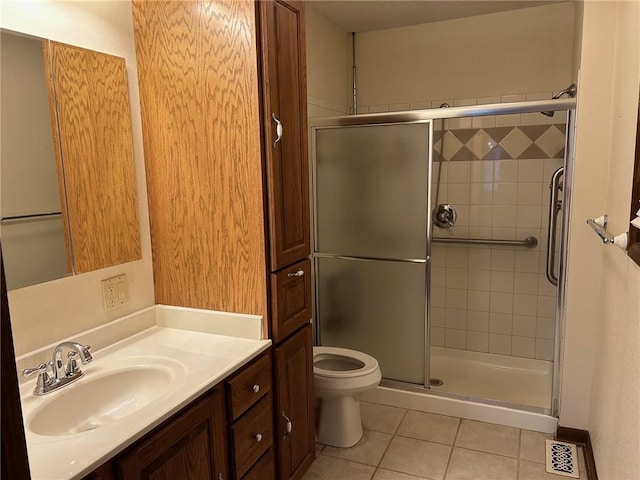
[197,65]
[95,153]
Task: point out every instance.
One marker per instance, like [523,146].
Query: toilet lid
[363,364]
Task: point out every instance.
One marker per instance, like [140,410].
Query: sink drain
[435,382]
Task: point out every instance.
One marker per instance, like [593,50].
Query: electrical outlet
[115,291]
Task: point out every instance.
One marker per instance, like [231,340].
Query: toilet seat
[366,363]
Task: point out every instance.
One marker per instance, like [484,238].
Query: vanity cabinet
[250,412]
[192,445]
[225,434]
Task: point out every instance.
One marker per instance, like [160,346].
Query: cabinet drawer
[249,386]
[264,469]
[290,299]
[252,435]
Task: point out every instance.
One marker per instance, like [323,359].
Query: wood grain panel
[284,94]
[94,124]
[247,449]
[198,88]
[46,51]
[290,299]
[191,446]
[241,395]
[294,387]
[264,469]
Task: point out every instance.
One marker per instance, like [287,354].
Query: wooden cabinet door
[284,94]
[290,299]
[193,446]
[294,405]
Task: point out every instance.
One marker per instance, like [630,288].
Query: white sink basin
[102,397]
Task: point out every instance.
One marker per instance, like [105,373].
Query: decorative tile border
[501,143]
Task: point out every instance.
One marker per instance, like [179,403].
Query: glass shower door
[372,187]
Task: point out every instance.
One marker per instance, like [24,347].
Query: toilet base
[340,422]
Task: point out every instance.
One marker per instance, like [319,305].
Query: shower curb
[580,437]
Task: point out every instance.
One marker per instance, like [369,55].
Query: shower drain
[435,382]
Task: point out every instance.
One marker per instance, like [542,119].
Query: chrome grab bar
[530,242]
[554,208]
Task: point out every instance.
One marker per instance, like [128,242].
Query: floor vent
[562,458]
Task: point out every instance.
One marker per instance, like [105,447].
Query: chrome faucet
[61,374]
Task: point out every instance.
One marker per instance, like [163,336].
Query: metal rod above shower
[530,242]
[412,116]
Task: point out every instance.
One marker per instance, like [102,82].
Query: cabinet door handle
[299,273]
[258,437]
[255,388]
[278,129]
[289,424]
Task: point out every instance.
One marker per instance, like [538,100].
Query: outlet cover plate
[115,291]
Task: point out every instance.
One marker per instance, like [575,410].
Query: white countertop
[202,361]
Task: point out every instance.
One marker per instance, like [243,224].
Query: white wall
[517,52]
[601,374]
[329,62]
[44,313]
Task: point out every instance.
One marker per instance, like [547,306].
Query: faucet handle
[42,368]
[72,365]
[43,381]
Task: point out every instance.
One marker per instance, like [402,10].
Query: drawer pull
[289,424]
[258,437]
[255,388]
[299,273]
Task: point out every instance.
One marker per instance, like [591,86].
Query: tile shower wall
[491,298]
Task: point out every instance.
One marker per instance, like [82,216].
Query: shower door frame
[429,115]
[428,233]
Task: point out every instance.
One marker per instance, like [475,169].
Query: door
[371,251]
[194,445]
[294,405]
[285,129]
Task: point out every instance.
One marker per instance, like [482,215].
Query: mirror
[68,194]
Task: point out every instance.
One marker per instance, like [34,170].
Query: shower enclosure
[458,309]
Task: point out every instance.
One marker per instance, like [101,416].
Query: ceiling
[367,15]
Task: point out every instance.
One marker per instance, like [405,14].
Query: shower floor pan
[503,378]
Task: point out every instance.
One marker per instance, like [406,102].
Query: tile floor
[401,444]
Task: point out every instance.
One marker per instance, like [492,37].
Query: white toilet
[339,375]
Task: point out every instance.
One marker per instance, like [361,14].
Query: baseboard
[581,437]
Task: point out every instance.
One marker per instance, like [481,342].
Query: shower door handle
[278,129]
[555,204]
